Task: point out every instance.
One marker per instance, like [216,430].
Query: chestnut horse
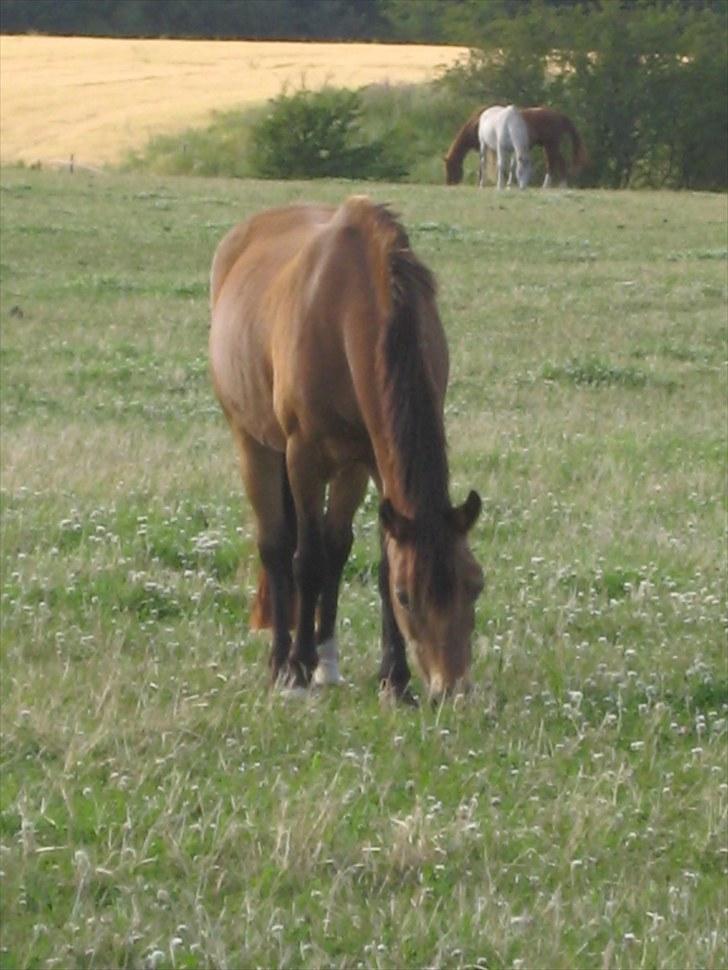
[330,362]
[546,127]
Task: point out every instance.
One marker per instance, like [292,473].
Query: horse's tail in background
[580,155]
[261,611]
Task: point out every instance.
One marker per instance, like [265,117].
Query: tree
[274,19]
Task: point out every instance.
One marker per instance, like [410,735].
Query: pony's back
[489,123]
[503,127]
[273,224]
[547,126]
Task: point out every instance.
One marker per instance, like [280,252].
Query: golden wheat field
[96,98]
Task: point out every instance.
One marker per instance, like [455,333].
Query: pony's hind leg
[555,167]
[265,480]
[346,491]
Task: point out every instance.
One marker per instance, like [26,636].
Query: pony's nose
[436,686]
[440,691]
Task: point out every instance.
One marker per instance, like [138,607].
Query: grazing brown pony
[546,127]
[330,362]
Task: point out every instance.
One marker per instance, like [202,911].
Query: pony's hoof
[327,675]
[284,685]
[327,672]
[293,677]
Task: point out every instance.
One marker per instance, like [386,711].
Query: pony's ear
[464,516]
[398,526]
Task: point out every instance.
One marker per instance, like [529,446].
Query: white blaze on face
[437,685]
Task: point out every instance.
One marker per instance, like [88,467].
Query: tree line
[461,22]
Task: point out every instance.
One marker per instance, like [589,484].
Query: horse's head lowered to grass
[434,582]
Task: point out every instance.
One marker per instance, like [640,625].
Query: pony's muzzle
[439,691]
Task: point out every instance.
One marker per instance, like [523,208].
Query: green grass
[160,808]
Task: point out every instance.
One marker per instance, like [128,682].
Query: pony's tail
[580,155]
[261,610]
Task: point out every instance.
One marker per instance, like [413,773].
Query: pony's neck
[402,403]
[466,140]
[415,469]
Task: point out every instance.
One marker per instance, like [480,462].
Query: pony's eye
[402,597]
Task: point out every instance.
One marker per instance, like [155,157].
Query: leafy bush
[316,134]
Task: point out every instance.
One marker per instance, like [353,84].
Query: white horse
[503,131]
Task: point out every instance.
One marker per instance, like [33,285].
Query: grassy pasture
[159,808]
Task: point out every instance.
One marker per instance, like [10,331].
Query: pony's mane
[412,418]
[411,410]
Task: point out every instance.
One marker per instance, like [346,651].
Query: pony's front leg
[502,169]
[394,672]
[523,169]
[345,494]
[309,562]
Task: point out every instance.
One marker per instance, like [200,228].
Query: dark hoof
[295,675]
